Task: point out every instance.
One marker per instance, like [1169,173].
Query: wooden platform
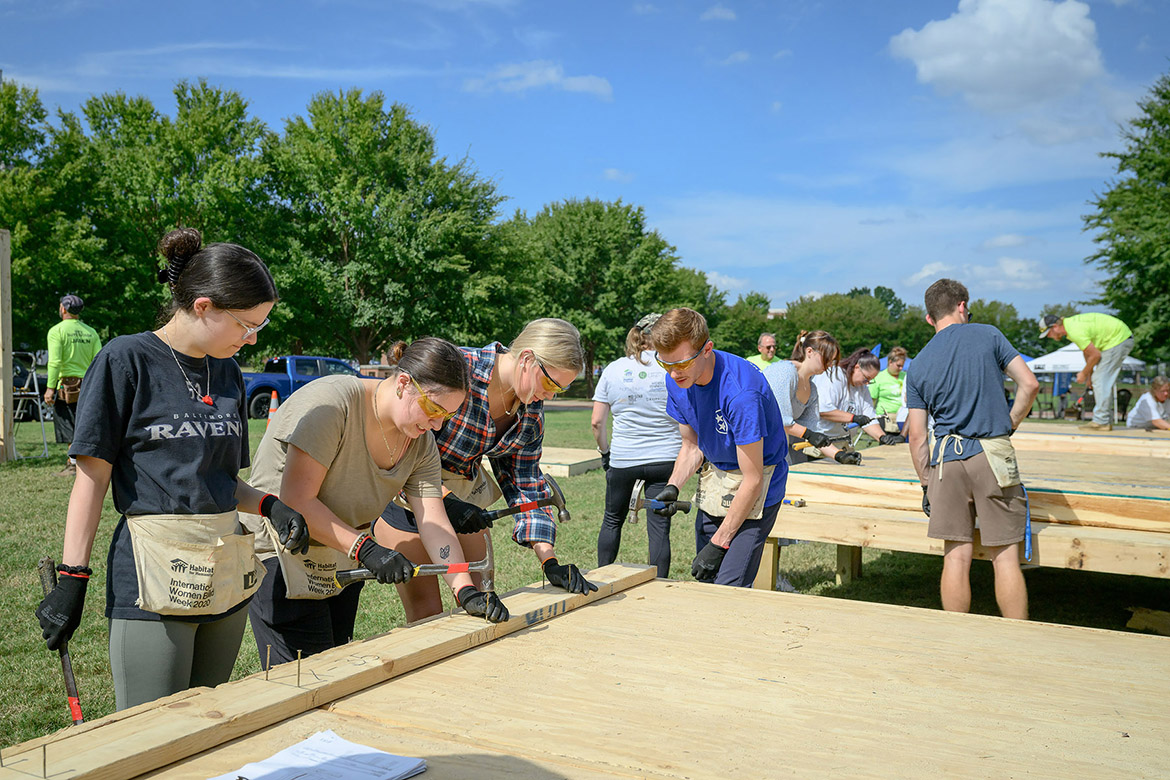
[1091,512]
[687,680]
[1036,437]
[568,461]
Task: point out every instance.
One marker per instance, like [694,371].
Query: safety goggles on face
[249,330]
[550,384]
[682,365]
[429,407]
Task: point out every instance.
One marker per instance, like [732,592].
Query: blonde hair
[555,343]
[896,354]
[677,326]
[1159,382]
[637,342]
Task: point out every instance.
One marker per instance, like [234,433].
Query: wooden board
[1073,429]
[127,744]
[686,680]
[568,461]
[1058,545]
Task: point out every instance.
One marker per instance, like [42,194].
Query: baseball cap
[72,303]
[1046,323]
[647,322]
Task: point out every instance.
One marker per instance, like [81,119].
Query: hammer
[638,501]
[557,499]
[48,572]
[487,566]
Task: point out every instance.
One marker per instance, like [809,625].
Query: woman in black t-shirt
[162,420]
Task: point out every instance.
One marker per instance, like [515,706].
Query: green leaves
[1132,224]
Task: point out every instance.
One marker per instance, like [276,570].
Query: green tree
[854,320]
[740,327]
[1132,224]
[386,240]
[54,248]
[597,265]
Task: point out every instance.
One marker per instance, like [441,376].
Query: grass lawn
[32,518]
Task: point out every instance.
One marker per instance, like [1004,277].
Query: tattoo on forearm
[445,551]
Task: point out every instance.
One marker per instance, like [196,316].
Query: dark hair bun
[178,247]
[395,352]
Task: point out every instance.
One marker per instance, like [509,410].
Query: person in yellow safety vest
[72,347]
[1106,342]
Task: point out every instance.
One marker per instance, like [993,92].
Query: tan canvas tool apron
[193,564]
[70,389]
[311,575]
[717,490]
[1001,456]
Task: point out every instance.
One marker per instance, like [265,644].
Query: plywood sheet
[127,744]
[568,461]
[686,680]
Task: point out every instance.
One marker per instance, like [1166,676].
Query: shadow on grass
[1075,598]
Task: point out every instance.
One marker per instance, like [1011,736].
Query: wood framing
[7,443]
[128,744]
[672,680]
[568,461]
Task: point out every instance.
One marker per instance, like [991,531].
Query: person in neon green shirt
[72,347]
[886,387]
[766,344]
[1105,341]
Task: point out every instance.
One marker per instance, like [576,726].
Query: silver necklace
[192,386]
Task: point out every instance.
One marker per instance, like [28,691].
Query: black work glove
[60,612]
[816,439]
[925,502]
[848,457]
[605,461]
[668,495]
[465,518]
[892,438]
[290,525]
[387,565]
[707,562]
[479,604]
[862,420]
[568,577]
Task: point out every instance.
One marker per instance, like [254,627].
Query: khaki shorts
[968,490]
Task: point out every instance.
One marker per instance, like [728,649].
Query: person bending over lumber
[339,450]
[727,415]
[966,464]
[502,421]
[843,391]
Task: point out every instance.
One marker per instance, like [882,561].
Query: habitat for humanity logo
[179,565]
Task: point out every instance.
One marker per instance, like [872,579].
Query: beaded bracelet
[357,545]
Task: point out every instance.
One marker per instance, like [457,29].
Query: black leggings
[618,485]
[309,625]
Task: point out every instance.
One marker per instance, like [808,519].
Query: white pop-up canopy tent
[1070,360]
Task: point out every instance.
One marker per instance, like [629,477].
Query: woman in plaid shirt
[502,420]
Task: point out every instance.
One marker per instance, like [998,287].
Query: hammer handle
[350,576]
[47,570]
[496,514]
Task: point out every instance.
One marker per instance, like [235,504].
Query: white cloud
[1005,241]
[728,283]
[617,174]
[645,8]
[1009,273]
[1004,55]
[929,271]
[519,77]
[535,38]
[736,57]
[718,13]
[782,54]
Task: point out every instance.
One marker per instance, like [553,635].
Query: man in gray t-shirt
[958,380]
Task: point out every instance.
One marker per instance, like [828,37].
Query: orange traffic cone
[272,404]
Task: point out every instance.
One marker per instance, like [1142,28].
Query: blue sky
[785,146]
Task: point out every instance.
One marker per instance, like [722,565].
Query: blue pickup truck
[285,375]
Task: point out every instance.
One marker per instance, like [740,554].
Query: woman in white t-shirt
[844,397]
[645,443]
[1151,411]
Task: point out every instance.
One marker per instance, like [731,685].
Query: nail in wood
[298,668]
[268,663]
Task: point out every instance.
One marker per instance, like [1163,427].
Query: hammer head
[637,499]
[558,499]
[488,578]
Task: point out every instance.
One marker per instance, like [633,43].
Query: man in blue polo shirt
[728,416]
